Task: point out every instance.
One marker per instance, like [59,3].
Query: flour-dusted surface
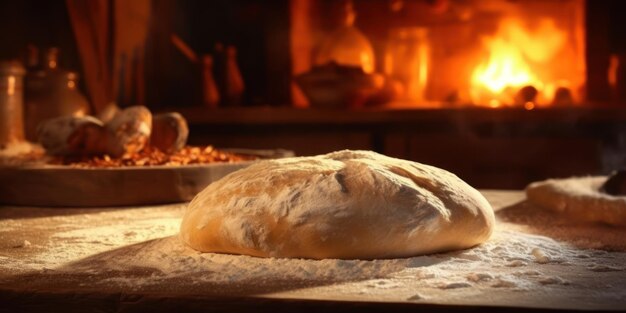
[579,199]
[344,205]
[533,259]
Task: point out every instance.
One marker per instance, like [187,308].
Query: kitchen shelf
[286,115]
[489,148]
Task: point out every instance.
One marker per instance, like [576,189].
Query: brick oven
[501,92]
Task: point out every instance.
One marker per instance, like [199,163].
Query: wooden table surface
[130,259]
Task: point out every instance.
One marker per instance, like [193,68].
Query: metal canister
[11,103]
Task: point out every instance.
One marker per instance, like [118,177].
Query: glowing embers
[516,71]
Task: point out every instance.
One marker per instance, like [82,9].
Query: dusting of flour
[139,250]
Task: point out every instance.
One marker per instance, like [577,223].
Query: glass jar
[407,60]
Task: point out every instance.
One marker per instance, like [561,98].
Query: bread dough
[579,199]
[346,204]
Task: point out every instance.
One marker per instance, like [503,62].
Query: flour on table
[139,250]
[476,277]
[540,256]
[484,267]
[553,280]
[506,282]
[604,268]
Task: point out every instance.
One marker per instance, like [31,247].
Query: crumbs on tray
[151,156]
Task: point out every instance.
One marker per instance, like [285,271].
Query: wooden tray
[64,186]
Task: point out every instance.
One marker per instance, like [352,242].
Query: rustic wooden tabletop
[130,259]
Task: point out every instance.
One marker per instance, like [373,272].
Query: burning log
[526,94]
[563,97]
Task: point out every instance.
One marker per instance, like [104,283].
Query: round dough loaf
[346,204]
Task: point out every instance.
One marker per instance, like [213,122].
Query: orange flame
[512,52]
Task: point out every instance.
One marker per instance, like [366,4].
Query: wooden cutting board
[65,186]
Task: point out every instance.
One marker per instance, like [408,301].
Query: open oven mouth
[442,54]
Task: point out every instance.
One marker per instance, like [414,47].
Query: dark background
[487,148]
[260,31]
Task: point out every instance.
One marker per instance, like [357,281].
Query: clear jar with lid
[408,60]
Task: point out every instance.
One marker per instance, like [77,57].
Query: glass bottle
[210,94]
[407,60]
[234,81]
[347,45]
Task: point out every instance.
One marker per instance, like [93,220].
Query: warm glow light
[505,68]
[612,71]
[367,62]
[529,106]
[11,86]
[419,68]
[511,52]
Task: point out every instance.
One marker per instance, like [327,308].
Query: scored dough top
[345,204]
